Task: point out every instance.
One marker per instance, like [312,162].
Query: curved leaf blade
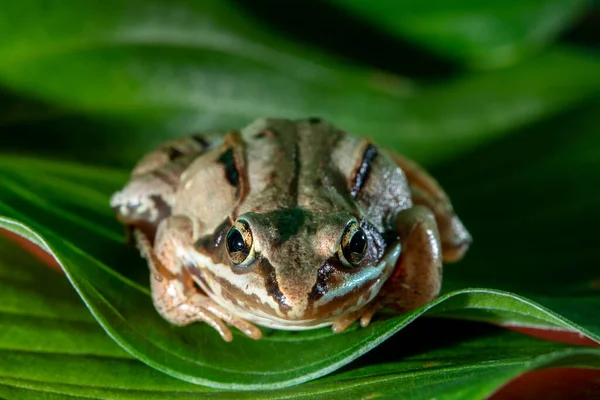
[39,363]
[480,34]
[198,355]
[112,279]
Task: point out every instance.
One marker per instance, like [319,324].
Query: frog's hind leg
[427,192]
[174,294]
[147,198]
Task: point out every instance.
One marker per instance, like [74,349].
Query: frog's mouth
[259,308]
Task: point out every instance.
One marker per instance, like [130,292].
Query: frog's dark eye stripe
[322,284]
[209,245]
[231,172]
[362,173]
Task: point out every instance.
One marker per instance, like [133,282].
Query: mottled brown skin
[299,190]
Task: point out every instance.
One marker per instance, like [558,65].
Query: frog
[289,225]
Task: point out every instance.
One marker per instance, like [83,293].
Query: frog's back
[272,165]
[312,165]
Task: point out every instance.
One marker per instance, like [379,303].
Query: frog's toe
[247,328]
[190,313]
[341,323]
[220,327]
[369,312]
[364,315]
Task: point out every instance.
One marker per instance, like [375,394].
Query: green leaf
[71,221]
[51,348]
[64,208]
[128,74]
[132,72]
[480,34]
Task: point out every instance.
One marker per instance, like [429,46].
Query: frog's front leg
[175,296]
[417,278]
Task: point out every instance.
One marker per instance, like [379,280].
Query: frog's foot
[364,314]
[180,302]
[201,308]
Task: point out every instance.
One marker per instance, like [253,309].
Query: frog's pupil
[235,241]
[354,251]
[358,242]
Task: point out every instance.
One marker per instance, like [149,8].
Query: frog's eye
[353,246]
[239,242]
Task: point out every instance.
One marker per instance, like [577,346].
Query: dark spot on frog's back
[174,153]
[202,141]
[231,172]
[315,120]
[364,169]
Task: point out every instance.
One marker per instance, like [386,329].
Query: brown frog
[289,225]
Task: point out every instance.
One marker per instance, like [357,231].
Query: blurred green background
[497,98]
[500,100]
[431,78]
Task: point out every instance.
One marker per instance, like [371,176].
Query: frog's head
[295,268]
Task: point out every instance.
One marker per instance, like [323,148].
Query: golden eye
[353,245]
[239,242]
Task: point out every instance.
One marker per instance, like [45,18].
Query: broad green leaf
[477,33]
[105,81]
[128,73]
[61,207]
[463,373]
[57,350]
